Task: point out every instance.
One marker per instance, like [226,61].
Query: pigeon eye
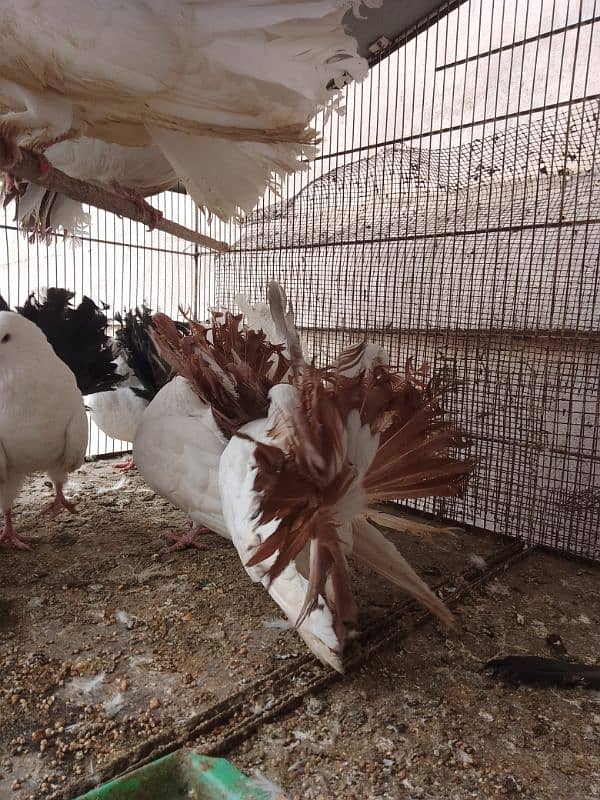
[5,338]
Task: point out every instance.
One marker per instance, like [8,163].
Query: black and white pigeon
[144,373]
[43,424]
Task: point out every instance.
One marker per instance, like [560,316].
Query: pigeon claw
[181,541]
[20,542]
[150,216]
[10,537]
[60,501]
[126,465]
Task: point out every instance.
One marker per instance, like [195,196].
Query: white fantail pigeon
[224,373]
[296,486]
[43,424]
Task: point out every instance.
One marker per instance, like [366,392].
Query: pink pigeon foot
[9,535]
[126,465]
[188,539]
[59,502]
[151,216]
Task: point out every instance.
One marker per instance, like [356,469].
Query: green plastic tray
[184,775]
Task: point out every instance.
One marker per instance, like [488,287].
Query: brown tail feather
[305,479]
[233,373]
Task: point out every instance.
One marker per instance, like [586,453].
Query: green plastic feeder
[184,775]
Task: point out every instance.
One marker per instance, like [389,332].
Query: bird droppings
[124,619]
[477,561]
[79,689]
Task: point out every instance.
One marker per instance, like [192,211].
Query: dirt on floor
[105,643]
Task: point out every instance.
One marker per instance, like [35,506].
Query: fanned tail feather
[397,522]
[413,458]
[282,313]
[372,548]
[358,358]
[313,480]
[258,317]
[78,336]
[135,340]
[229,368]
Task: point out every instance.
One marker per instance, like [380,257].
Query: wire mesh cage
[452,217]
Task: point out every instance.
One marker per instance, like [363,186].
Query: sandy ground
[105,643]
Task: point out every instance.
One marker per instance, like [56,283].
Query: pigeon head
[19,337]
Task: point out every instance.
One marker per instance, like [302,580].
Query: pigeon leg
[151,216]
[126,465]
[181,541]
[9,535]
[59,502]
[10,153]
[9,149]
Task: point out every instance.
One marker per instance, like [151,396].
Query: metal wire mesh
[454,217]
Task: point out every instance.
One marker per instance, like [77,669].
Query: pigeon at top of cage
[150,101]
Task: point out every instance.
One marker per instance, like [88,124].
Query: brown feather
[233,373]
[302,479]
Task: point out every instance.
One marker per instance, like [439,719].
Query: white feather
[43,425]
[185,76]
[258,317]
[236,482]
[272,791]
[118,412]
[177,449]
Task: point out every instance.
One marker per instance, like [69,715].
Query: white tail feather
[372,548]
[398,523]
[258,317]
[58,213]
[282,314]
[216,170]
[289,590]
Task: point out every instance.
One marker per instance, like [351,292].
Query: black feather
[78,337]
[544,671]
[3,304]
[138,349]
